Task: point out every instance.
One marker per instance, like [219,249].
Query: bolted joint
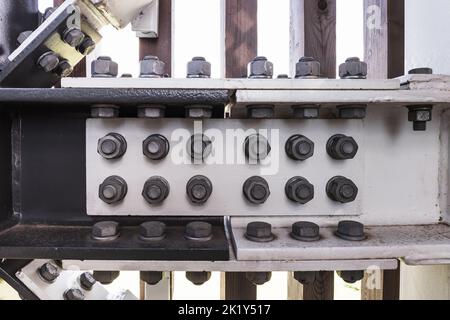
[152,231]
[260,68]
[112,146]
[350,230]
[104,67]
[151,278]
[305,277]
[104,111]
[198,111]
[151,111]
[48,272]
[263,111]
[113,190]
[86,46]
[305,231]
[199,231]
[199,189]
[24,36]
[198,67]
[106,277]
[156,147]
[152,67]
[73,37]
[299,148]
[356,111]
[307,68]
[419,116]
[341,147]
[73,295]
[199,147]
[341,190]
[64,69]
[49,61]
[87,281]
[259,231]
[156,190]
[198,278]
[353,68]
[351,276]
[299,190]
[256,190]
[105,230]
[258,278]
[306,111]
[256,147]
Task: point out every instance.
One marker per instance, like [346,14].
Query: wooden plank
[235,286]
[241,36]
[161,46]
[320,34]
[295,288]
[384,43]
[372,285]
[322,288]
[296,33]
[391,284]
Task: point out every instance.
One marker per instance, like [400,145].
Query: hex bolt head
[198,278]
[353,68]
[342,147]
[48,12]
[152,231]
[156,190]
[419,116]
[356,111]
[156,147]
[260,68]
[104,111]
[256,147]
[73,37]
[112,146]
[48,272]
[306,111]
[64,69]
[87,281]
[199,147]
[299,190]
[199,111]
[263,111]
[299,147]
[423,70]
[151,278]
[24,36]
[350,230]
[305,231]
[307,68]
[259,231]
[258,278]
[106,277]
[105,230]
[198,230]
[341,189]
[49,61]
[86,46]
[351,276]
[199,189]
[113,190]
[198,67]
[305,277]
[256,190]
[104,67]
[151,111]
[152,67]
[73,294]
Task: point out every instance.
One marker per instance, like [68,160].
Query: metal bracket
[146,24]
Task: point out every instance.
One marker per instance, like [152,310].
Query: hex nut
[299,190]
[306,111]
[104,67]
[419,116]
[357,111]
[256,190]
[113,190]
[305,277]
[112,146]
[341,189]
[305,231]
[152,67]
[307,68]
[256,147]
[259,231]
[198,278]
[260,68]
[156,190]
[152,230]
[353,68]
[73,295]
[198,67]
[258,278]
[351,276]
[48,272]
[104,111]
[199,189]
[87,281]
[151,278]
[423,70]
[151,111]
[265,111]
[86,46]
[105,230]
[199,147]
[106,277]
[156,147]
[199,111]
[198,230]
[299,147]
[350,230]
[73,37]
[24,36]
[64,69]
[342,147]
[49,61]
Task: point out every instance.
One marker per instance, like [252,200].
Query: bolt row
[255,190]
[256,147]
